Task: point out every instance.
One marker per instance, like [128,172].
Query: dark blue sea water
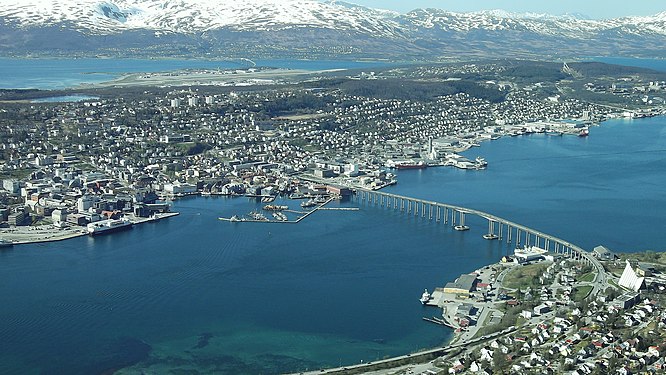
[193,293]
[64,73]
[603,189]
[656,64]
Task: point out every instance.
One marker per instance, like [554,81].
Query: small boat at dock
[308,203]
[274,207]
[425,297]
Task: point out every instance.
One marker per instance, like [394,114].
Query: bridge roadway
[440,211]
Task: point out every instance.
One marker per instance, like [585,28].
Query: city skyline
[592,9]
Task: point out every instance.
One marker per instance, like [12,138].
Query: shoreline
[46,233]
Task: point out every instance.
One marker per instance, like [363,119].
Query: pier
[304,214]
[498,228]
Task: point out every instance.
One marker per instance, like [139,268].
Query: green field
[523,276]
[581,293]
[588,277]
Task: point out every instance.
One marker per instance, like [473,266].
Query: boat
[258,216]
[419,165]
[236,218]
[556,133]
[308,203]
[320,199]
[108,226]
[6,243]
[584,133]
[425,297]
[273,207]
[528,253]
[279,216]
[481,163]
[267,199]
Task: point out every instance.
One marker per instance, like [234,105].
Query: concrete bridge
[498,228]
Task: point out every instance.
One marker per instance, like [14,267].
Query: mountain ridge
[310,28]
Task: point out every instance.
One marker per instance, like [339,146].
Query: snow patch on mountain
[192,16]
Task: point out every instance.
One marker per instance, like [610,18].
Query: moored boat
[425,297]
[419,165]
[308,203]
[108,226]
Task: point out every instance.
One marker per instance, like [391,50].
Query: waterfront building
[18,218]
[602,253]
[180,188]
[463,285]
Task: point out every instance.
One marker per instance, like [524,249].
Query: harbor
[279,216]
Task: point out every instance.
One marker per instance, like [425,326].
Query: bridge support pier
[461,226]
[518,236]
[491,231]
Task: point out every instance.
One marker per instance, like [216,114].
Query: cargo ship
[108,226]
[419,165]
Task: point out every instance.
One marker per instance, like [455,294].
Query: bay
[656,64]
[193,293]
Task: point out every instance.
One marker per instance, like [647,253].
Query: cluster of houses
[578,344]
[189,136]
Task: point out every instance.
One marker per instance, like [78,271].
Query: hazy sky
[591,8]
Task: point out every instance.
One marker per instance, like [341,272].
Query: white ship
[108,226]
[528,253]
[425,297]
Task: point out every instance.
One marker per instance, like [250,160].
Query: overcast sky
[597,9]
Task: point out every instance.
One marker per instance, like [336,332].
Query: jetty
[304,214]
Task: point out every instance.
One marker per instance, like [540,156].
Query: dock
[439,321]
[304,214]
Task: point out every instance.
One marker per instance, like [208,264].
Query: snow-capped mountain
[192,16]
[308,28]
[567,26]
